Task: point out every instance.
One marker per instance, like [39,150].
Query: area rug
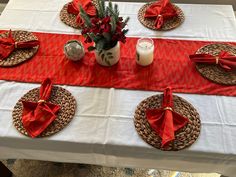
[32,168]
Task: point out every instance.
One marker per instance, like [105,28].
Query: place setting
[217,63]
[70,13]
[44,111]
[161,15]
[17,47]
[167,122]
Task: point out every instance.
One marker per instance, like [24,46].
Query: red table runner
[171,67]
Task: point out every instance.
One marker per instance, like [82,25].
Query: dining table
[102,131]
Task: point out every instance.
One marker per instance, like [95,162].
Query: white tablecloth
[102,131]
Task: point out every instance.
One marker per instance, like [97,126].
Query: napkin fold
[225,60]
[37,116]
[165,121]
[161,11]
[8,45]
[87,5]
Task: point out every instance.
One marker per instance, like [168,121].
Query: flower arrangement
[106,29]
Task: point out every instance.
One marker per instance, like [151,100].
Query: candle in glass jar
[144,51]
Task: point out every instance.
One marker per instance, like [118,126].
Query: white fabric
[203,22]
[102,131]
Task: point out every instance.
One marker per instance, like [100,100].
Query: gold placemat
[213,72]
[59,96]
[168,24]
[19,55]
[184,137]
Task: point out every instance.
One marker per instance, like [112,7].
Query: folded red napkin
[165,121]
[8,45]
[161,11]
[224,60]
[87,5]
[37,116]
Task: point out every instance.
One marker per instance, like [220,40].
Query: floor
[32,168]
[2,6]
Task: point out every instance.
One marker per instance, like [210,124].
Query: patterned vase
[108,57]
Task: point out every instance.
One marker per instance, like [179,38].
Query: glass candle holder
[144,51]
[74,50]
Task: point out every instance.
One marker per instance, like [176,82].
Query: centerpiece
[106,30]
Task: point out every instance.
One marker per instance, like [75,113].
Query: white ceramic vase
[108,57]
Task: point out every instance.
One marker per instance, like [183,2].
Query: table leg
[4,171]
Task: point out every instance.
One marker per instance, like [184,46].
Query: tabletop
[102,131]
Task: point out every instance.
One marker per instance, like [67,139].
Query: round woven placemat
[59,96]
[70,19]
[184,137]
[67,18]
[168,24]
[19,55]
[213,72]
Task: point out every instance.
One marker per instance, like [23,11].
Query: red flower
[88,40]
[100,26]
[105,28]
[85,31]
[106,20]
[119,37]
[95,20]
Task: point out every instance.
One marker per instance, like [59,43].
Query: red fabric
[38,116]
[161,11]
[171,67]
[8,45]
[87,5]
[165,121]
[224,59]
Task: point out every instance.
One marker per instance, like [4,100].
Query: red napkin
[224,59]
[37,116]
[87,5]
[8,45]
[161,11]
[165,121]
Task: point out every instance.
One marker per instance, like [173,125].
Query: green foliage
[125,22]
[110,4]
[100,44]
[113,24]
[104,40]
[86,18]
[91,48]
[94,37]
[113,13]
[101,9]
[125,31]
[116,10]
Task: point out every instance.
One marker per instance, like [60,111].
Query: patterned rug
[33,168]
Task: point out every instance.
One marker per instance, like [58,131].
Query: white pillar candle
[144,51]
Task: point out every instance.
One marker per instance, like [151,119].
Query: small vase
[108,57]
